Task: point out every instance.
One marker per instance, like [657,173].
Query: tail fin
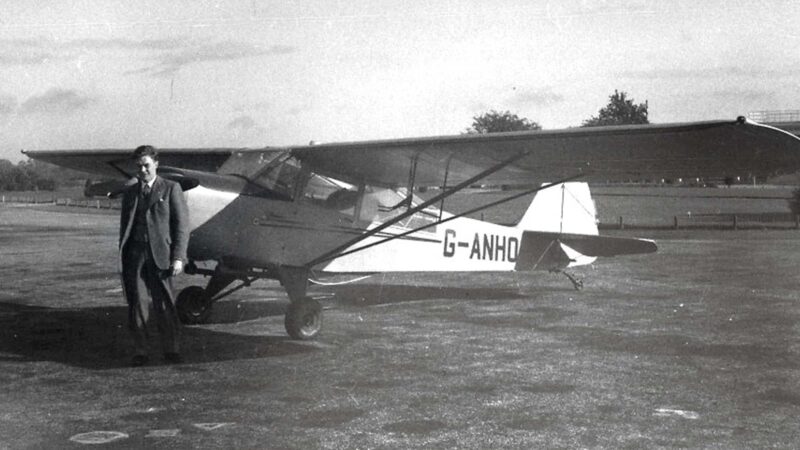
[560,230]
[563,208]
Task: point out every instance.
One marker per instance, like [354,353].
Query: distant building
[786,119]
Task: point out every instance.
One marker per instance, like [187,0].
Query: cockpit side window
[285,175]
[333,194]
[393,202]
[249,164]
[282,175]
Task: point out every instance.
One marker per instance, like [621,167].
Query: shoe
[173,358]
[139,360]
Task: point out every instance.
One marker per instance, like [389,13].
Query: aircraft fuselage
[265,232]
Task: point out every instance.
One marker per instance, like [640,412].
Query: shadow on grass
[98,338]
[381,294]
[228,312]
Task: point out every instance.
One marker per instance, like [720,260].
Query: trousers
[141,276]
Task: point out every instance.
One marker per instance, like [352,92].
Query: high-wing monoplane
[294,213]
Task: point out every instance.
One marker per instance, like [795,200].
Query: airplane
[298,213]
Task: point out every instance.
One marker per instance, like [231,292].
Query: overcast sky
[99,74]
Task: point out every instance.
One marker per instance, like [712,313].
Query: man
[154,234]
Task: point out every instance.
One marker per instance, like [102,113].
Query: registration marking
[482,246]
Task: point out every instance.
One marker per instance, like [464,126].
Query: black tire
[303,319]
[193,305]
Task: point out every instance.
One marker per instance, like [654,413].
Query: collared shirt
[149,185]
[139,231]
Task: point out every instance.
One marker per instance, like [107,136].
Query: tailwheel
[576,282]
[193,305]
[303,319]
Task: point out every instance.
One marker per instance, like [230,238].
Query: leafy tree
[619,111]
[6,172]
[26,176]
[498,122]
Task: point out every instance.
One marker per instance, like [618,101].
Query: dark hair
[145,150]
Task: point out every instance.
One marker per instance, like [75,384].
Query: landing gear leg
[303,319]
[576,282]
[194,303]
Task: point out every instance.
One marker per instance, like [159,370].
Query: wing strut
[444,183]
[411,211]
[412,176]
[456,216]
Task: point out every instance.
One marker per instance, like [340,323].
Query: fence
[714,222]
[81,203]
[688,221]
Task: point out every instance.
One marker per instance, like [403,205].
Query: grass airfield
[696,346]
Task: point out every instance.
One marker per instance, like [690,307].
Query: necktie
[145,190]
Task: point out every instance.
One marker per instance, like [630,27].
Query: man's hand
[176,267]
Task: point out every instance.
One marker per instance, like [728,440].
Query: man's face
[146,168]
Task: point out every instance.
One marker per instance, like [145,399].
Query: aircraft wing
[636,152]
[114,163]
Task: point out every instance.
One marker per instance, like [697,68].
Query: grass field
[696,346]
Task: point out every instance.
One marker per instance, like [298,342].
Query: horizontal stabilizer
[607,245]
[541,251]
[546,251]
[591,245]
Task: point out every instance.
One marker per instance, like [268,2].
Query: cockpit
[277,173]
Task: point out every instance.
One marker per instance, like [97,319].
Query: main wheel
[193,305]
[303,320]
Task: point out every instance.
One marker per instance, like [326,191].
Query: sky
[117,74]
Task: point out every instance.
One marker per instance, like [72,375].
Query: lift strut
[336,252]
[456,216]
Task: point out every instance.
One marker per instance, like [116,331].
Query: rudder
[562,208]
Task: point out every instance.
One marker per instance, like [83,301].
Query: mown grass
[691,347]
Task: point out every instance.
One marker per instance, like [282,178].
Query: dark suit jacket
[167,221]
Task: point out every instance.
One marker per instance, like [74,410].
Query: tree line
[35,175]
[32,175]
[620,110]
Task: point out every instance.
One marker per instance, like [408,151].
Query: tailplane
[560,231]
